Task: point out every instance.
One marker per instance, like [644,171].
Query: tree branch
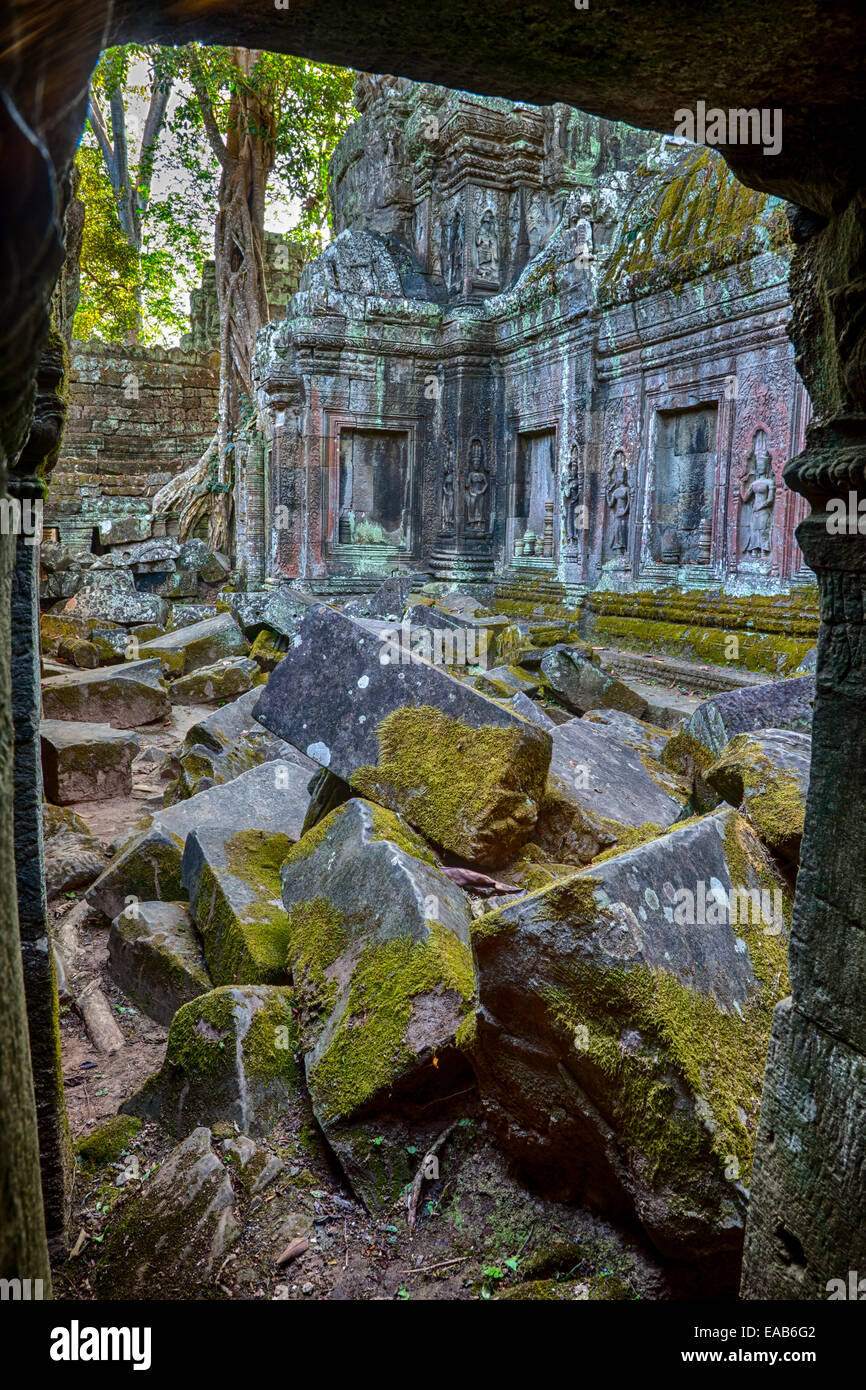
[97,125]
[209,120]
[159,96]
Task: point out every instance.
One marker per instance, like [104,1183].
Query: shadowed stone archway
[626,61]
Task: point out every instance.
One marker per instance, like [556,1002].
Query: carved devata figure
[477,486]
[448,488]
[487,248]
[572,497]
[619,501]
[758,497]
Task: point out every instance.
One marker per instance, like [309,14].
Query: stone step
[669,670]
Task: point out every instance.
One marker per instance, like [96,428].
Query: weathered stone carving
[448,484]
[477,488]
[619,502]
[758,498]
[572,498]
[487,248]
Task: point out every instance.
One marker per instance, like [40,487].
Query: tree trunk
[240,269]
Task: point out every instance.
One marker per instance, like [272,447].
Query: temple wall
[137,416]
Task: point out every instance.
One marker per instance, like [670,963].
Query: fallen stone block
[464,770]
[504,681]
[623,1027]
[457,637]
[124,530]
[169,584]
[280,610]
[785,704]
[578,680]
[272,796]
[196,554]
[604,786]
[129,554]
[646,737]
[85,762]
[155,957]
[531,710]
[230,1059]
[167,1240]
[185,614]
[233,885]
[378,948]
[766,775]
[125,696]
[73,856]
[111,594]
[228,742]
[224,680]
[188,648]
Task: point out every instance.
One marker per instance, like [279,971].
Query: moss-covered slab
[473,791]
[465,770]
[379,953]
[223,680]
[578,680]
[230,1059]
[188,648]
[624,1024]
[73,856]
[226,743]
[125,696]
[155,956]
[604,784]
[167,1240]
[232,879]
[85,762]
[272,796]
[766,775]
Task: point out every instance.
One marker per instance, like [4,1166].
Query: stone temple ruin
[543,347]
[537,390]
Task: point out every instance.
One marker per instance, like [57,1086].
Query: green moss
[199,1031]
[698,219]
[317,937]
[471,790]
[718,1055]
[368,1050]
[106,1144]
[268,650]
[247,944]
[628,837]
[772,799]
[264,1061]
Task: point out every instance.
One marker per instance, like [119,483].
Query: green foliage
[151,209]
[108,306]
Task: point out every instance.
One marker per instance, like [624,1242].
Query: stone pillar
[23,1250]
[55,1148]
[806,1229]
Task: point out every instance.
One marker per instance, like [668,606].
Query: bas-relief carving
[572,497]
[757,495]
[619,504]
[487,248]
[482,238]
[448,490]
[477,488]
